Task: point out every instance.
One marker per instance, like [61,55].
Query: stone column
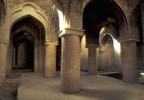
[41,58]
[92,59]
[50,59]
[36,59]
[143,54]
[3,59]
[13,57]
[142,19]
[129,60]
[70,60]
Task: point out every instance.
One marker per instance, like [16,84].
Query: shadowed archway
[99,13]
[28,38]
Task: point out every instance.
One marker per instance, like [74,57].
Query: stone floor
[93,87]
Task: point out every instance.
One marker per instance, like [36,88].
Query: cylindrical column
[70,64]
[41,58]
[142,19]
[70,60]
[3,59]
[14,57]
[129,60]
[92,60]
[36,59]
[50,59]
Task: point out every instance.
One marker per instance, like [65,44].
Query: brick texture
[50,63]
[70,64]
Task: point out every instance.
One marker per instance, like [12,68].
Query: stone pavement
[93,87]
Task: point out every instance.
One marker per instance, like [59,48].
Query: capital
[129,38]
[69,31]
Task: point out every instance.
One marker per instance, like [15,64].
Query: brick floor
[93,87]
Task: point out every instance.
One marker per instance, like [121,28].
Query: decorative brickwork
[70,64]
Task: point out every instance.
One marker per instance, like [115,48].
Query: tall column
[92,59]
[41,58]
[50,59]
[70,60]
[3,59]
[129,60]
[142,19]
[36,59]
[13,57]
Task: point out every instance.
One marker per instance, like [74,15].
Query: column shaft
[50,60]
[3,59]
[70,64]
[129,61]
[142,19]
[92,61]
[41,58]
[36,59]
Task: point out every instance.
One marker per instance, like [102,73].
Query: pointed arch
[99,13]
[110,30]
[29,9]
[117,10]
[106,38]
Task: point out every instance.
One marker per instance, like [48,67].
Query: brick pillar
[3,59]
[129,60]
[50,59]
[92,60]
[36,59]
[142,19]
[70,60]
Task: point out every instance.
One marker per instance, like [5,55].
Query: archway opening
[28,36]
[23,43]
[99,13]
[106,54]
[109,56]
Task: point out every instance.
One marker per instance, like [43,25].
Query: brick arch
[95,17]
[119,10]
[29,23]
[120,3]
[30,31]
[110,30]
[29,9]
[106,38]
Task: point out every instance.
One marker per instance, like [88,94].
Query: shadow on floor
[104,94]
